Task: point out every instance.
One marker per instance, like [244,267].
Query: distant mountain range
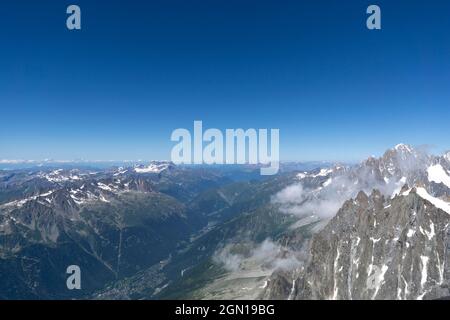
[376,230]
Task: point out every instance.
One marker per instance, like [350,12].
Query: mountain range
[375,230]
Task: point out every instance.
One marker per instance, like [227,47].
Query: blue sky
[139,69]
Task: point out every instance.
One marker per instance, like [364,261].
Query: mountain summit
[389,240]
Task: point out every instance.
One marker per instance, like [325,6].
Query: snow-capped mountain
[376,230]
[387,235]
[399,166]
[378,248]
[155,167]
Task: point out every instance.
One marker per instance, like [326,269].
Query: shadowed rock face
[389,245]
[380,249]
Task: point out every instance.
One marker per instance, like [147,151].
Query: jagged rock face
[399,165]
[380,249]
[446,157]
[282,286]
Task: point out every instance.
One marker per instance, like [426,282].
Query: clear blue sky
[139,69]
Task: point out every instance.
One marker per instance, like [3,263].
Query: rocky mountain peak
[404,189]
[399,152]
[387,250]
[404,148]
[362,198]
[446,156]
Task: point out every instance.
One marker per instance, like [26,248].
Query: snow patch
[438,174]
[323,173]
[155,167]
[424,276]
[441,204]
[301,175]
[104,186]
[328,182]
[430,234]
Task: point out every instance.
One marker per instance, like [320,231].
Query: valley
[376,230]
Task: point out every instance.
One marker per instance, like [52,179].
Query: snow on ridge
[302,175]
[120,171]
[20,203]
[328,182]
[438,203]
[323,173]
[403,147]
[104,187]
[437,173]
[446,156]
[153,168]
[60,176]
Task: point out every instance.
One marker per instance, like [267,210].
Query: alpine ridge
[375,230]
[390,240]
